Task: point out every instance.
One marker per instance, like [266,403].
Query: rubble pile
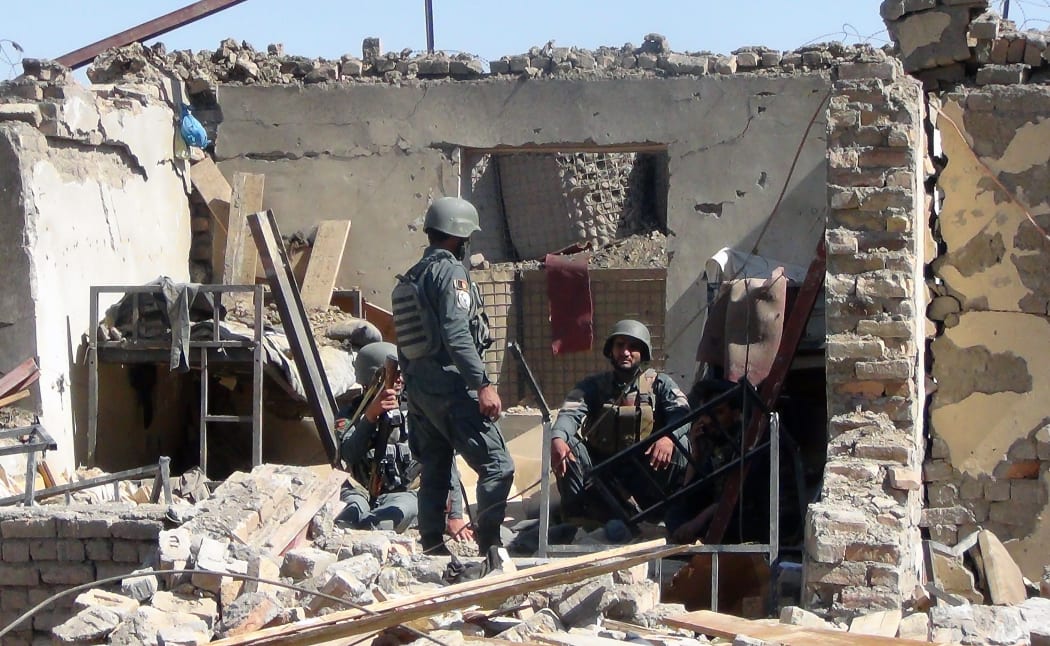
[235,62]
[947,42]
[244,528]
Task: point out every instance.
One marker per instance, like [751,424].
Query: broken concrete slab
[932,38]
[203,607]
[999,625]
[952,575]
[795,616]
[87,626]
[578,606]
[144,626]
[544,621]
[884,623]
[915,626]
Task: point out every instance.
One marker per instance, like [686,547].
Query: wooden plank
[1001,574]
[20,377]
[296,326]
[325,258]
[10,399]
[884,623]
[714,624]
[489,589]
[241,256]
[383,320]
[289,529]
[213,188]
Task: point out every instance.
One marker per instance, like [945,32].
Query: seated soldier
[374,443]
[608,412]
[714,441]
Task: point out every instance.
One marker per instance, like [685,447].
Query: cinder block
[43,550]
[69,550]
[14,551]
[126,551]
[93,527]
[98,549]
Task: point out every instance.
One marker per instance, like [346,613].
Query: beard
[463,250]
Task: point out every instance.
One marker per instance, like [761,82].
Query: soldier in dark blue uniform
[374,444]
[610,411]
[453,407]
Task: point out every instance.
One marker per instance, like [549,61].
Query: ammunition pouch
[622,424]
[414,322]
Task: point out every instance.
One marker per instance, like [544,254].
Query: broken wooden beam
[213,188]
[325,258]
[241,256]
[489,589]
[714,624]
[297,328]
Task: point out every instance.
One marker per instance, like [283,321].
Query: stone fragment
[371,49]
[344,585]
[683,64]
[544,621]
[118,603]
[915,626]
[358,332]
[247,613]
[579,605]
[969,624]
[87,626]
[183,635]
[933,38]
[305,563]
[630,602]
[1012,74]
[1003,577]
[904,478]
[140,588]
[144,626]
[883,623]
[26,112]
[202,607]
[891,9]
[795,616]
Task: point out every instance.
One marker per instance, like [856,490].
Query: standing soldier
[452,405]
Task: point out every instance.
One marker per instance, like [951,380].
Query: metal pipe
[429,7]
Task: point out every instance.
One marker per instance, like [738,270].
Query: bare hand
[489,402]
[459,529]
[660,453]
[561,456]
[381,403]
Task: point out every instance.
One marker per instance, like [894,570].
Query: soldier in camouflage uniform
[608,412]
[453,407]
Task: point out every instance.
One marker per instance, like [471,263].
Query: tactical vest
[414,321]
[624,421]
[479,321]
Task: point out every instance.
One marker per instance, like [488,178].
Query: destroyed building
[913,176]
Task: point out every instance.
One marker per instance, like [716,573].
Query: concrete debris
[140,588]
[796,616]
[249,612]
[88,625]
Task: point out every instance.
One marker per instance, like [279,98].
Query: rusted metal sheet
[145,31]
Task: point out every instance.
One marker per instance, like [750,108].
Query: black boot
[434,545]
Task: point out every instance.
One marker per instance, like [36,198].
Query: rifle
[386,423]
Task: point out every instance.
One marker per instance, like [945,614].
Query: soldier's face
[626,353]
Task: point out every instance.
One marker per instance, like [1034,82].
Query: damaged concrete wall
[378,153]
[91,196]
[863,548]
[988,418]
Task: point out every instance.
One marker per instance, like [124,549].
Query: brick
[1002,74]
[67,573]
[1027,492]
[139,530]
[938,471]
[93,527]
[43,550]
[885,284]
[19,574]
[868,389]
[886,70]
[106,570]
[31,527]
[873,370]
[1020,469]
[885,158]
[15,551]
[126,551]
[997,490]
[904,478]
[945,516]
[69,550]
[849,347]
[884,575]
[98,550]
[879,449]
[942,494]
[885,329]
[14,599]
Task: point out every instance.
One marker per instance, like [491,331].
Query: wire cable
[245,577]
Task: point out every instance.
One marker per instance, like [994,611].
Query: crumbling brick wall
[862,537]
[49,549]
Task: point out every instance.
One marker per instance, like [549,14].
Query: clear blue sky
[330,28]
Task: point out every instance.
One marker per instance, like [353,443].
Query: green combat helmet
[633,329]
[452,216]
[371,359]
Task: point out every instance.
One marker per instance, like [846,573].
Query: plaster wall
[99,200]
[377,154]
[990,462]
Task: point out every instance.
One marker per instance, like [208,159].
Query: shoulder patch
[460,284]
[462,299]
